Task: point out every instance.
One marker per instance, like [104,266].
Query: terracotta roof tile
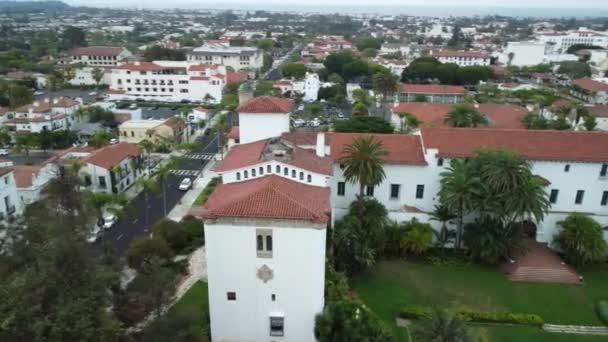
[503,115]
[24,174]
[401,148]
[111,155]
[590,85]
[266,104]
[201,67]
[429,114]
[242,155]
[199,78]
[97,51]
[429,89]
[601,111]
[236,77]
[269,197]
[533,145]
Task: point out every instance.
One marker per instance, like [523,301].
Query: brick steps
[544,275]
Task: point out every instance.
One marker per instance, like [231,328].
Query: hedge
[477,316]
[602,311]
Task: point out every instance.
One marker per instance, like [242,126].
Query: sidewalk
[182,208]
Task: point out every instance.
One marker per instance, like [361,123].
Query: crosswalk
[190,173]
[204,156]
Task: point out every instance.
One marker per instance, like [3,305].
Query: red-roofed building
[234,136]
[236,77]
[590,91]
[31,180]
[433,93]
[100,56]
[462,58]
[10,205]
[429,114]
[264,117]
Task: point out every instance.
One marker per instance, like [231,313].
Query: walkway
[182,208]
[540,264]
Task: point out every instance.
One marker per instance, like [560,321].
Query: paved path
[183,207]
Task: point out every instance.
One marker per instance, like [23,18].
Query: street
[135,223]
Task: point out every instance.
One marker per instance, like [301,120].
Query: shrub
[143,251]
[489,240]
[207,191]
[601,308]
[582,240]
[172,232]
[476,316]
[195,229]
[350,321]
[417,238]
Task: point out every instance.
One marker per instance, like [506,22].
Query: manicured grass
[532,334]
[391,285]
[195,300]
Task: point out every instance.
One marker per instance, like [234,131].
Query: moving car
[3,152]
[186,184]
[108,221]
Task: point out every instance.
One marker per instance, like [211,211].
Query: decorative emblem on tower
[265,273]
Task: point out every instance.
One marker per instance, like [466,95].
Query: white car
[109,221]
[3,152]
[93,93]
[38,93]
[94,234]
[186,184]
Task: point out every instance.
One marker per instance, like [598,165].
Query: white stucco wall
[258,126]
[317,179]
[298,265]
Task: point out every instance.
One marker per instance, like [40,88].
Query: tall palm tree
[105,201]
[148,185]
[97,74]
[363,162]
[148,147]
[444,215]
[459,189]
[442,326]
[163,173]
[385,84]
[465,115]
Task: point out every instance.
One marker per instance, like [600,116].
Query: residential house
[10,205]
[170,131]
[31,180]
[100,56]
[43,115]
[590,90]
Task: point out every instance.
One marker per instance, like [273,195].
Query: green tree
[100,139]
[350,321]
[489,240]
[230,102]
[144,254]
[24,143]
[459,189]
[590,122]
[19,95]
[265,88]
[5,137]
[360,109]
[444,215]
[464,115]
[163,173]
[574,69]
[157,52]
[582,240]
[408,122]
[265,44]
[363,161]
[363,124]
[442,326]
[417,237]
[101,202]
[172,232]
[294,70]
[177,326]
[97,74]
[73,37]
[148,147]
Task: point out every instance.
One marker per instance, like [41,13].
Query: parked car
[93,93]
[38,93]
[3,152]
[186,184]
[94,234]
[109,220]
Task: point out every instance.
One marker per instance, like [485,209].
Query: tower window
[276,326]
[231,296]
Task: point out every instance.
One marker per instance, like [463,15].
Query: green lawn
[195,300]
[390,285]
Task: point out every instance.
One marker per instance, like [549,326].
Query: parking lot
[329,112]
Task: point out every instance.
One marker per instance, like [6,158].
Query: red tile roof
[304,138]
[533,145]
[201,67]
[429,114]
[97,51]
[401,148]
[144,66]
[111,155]
[24,175]
[236,77]
[429,89]
[199,78]
[242,155]
[452,53]
[234,133]
[503,115]
[116,91]
[590,85]
[64,102]
[308,160]
[269,197]
[266,104]
[601,111]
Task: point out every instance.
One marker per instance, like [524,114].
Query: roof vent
[279,153]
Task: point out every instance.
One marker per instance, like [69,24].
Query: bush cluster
[207,191]
[477,316]
[601,309]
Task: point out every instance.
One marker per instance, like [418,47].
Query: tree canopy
[363,124]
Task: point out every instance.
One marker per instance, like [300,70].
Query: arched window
[245,174]
[261,170]
[301,176]
[286,171]
[260,243]
[309,179]
[278,169]
[252,172]
[238,176]
[268,169]
[293,173]
[269,243]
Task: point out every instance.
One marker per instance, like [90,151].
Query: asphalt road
[136,221]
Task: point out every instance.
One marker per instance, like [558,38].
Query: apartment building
[561,41]
[168,81]
[100,56]
[462,58]
[433,93]
[52,115]
[590,90]
[220,53]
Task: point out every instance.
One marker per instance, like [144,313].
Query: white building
[199,114]
[264,117]
[560,42]
[462,58]
[100,56]
[523,54]
[574,165]
[221,53]
[169,81]
[85,76]
[10,206]
[43,115]
[31,180]
[601,116]
[394,48]
[590,90]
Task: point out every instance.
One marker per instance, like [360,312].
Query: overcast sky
[367,3]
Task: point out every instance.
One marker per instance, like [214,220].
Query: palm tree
[148,146]
[443,214]
[459,189]
[442,326]
[105,201]
[363,163]
[465,115]
[163,173]
[68,73]
[385,84]
[24,143]
[408,122]
[97,74]
[148,185]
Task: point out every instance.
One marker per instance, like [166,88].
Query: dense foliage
[363,124]
[350,321]
[430,70]
[582,240]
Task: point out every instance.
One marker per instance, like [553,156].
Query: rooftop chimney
[321,144]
